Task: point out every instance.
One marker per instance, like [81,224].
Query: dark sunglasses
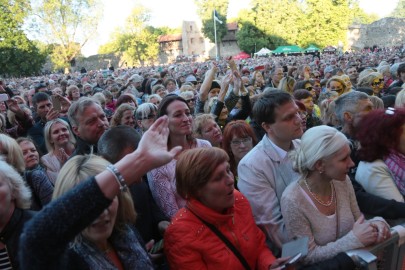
[190,100]
[309,88]
[377,83]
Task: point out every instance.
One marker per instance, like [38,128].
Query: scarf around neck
[395,161]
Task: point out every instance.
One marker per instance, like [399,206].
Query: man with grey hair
[350,109]
[88,122]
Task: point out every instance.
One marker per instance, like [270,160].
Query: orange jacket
[189,244]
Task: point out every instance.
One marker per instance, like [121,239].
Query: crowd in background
[313,142]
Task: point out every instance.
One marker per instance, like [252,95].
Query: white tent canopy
[263,51]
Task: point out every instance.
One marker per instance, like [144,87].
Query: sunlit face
[212,133]
[363,108]
[171,86]
[309,104]
[336,86]
[180,118]
[155,101]
[59,135]
[30,153]
[338,165]
[377,85]
[161,92]
[91,124]
[213,93]
[100,230]
[241,146]
[218,193]
[278,75]
[128,118]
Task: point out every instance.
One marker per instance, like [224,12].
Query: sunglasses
[377,83]
[150,116]
[309,88]
[190,100]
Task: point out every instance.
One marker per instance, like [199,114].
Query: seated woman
[239,139]
[381,171]
[205,127]
[16,199]
[162,180]
[60,143]
[87,226]
[124,115]
[204,179]
[35,174]
[322,204]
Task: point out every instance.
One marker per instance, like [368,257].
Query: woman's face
[377,85]
[128,119]
[338,165]
[59,135]
[161,92]
[171,86]
[311,89]
[241,146]
[259,78]
[218,193]
[75,94]
[213,93]
[155,101]
[7,203]
[3,107]
[212,133]
[224,114]
[100,230]
[30,153]
[309,103]
[336,86]
[180,118]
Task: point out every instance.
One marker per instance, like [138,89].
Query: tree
[399,11]
[67,24]
[137,42]
[221,28]
[18,55]
[359,16]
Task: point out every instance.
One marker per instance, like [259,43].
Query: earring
[320,172]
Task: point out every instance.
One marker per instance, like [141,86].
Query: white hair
[317,143]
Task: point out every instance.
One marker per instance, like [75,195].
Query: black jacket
[10,235]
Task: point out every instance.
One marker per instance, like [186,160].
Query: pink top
[162,182]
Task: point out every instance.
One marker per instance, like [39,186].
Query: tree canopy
[399,11]
[18,55]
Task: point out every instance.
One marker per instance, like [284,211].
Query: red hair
[240,129]
[379,132]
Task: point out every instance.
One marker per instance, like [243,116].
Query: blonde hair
[400,99]
[47,133]
[12,152]
[80,168]
[119,112]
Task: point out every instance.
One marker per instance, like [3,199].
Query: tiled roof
[168,38]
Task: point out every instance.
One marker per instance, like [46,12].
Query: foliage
[298,22]
[208,28]
[68,24]
[18,55]
[399,11]
[205,8]
[137,42]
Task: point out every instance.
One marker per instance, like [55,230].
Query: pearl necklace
[328,203]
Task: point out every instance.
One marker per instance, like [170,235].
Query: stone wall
[387,32]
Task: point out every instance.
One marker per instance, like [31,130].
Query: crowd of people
[203,165]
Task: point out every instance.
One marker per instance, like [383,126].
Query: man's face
[278,75]
[287,126]
[363,108]
[91,124]
[43,107]
[352,73]
[402,76]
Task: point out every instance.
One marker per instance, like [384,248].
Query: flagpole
[215,35]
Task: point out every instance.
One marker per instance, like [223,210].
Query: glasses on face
[337,89]
[309,88]
[380,81]
[150,116]
[245,141]
[303,115]
[190,100]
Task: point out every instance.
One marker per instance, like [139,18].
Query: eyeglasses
[380,81]
[245,141]
[150,116]
[337,89]
[303,115]
[190,100]
[309,88]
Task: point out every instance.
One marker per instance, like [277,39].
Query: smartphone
[157,247]
[4,97]
[56,103]
[291,261]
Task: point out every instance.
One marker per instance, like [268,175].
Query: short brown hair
[195,167]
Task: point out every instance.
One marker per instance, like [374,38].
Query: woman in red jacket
[205,180]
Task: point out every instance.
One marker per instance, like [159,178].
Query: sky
[171,13]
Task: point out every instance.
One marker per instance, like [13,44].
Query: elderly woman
[154,99]
[287,84]
[35,174]
[61,237]
[190,99]
[124,115]
[205,127]
[73,93]
[374,80]
[60,143]
[381,170]
[162,180]
[322,204]
[336,84]
[15,200]
[204,179]
[160,90]
[238,139]
[145,116]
